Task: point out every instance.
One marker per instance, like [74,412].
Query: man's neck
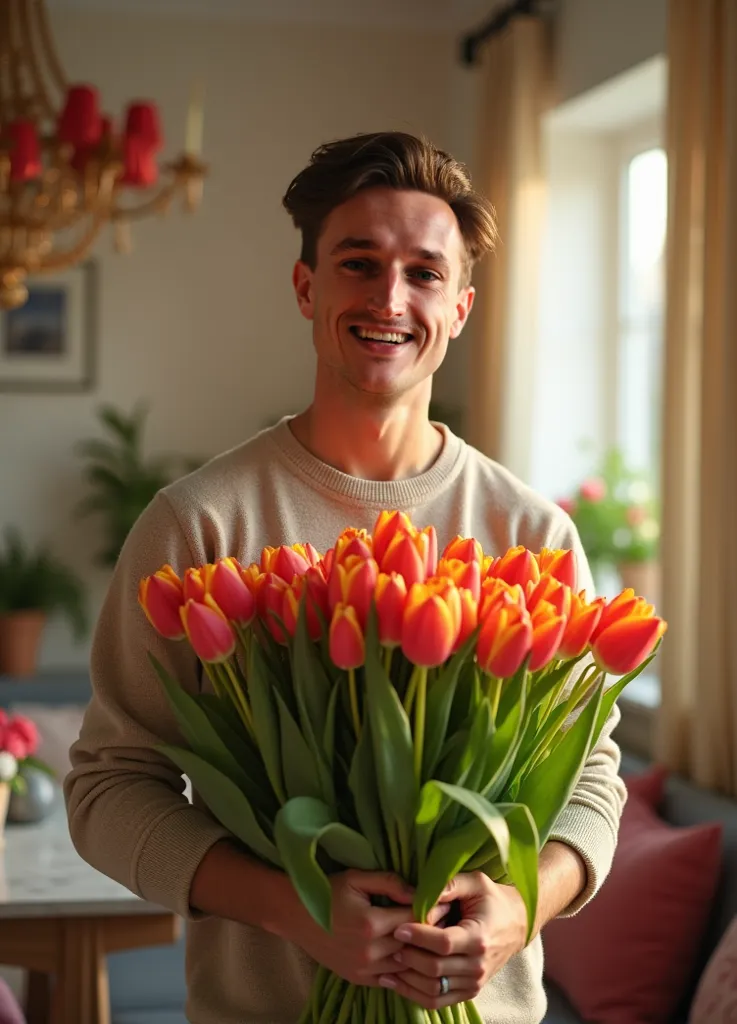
[371,444]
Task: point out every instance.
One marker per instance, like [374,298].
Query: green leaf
[231,732]
[439,702]
[548,787]
[363,785]
[265,719]
[40,766]
[611,693]
[473,761]
[328,738]
[225,800]
[298,764]
[447,858]
[197,729]
[303,823]
[524,846]
[507,739]
[312,690]
[391,735]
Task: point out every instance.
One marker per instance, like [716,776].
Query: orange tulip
[432,622]
[285,561]
[469,616]
[517,565]
[208,630]
[252,577]
[551,590]
[465,575]
[194,586]
[560,563]
[390,595]
[622,646]
[582,621]
[547,632]
[161,597]
[624,605]
[464,549]
[412,556]
[229,591]
[346,640]
[504,639]
[352,582]
[495,591]
[386,528]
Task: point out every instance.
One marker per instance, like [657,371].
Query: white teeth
[381,336]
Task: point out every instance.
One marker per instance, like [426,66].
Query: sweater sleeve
[128,816]
[590,821]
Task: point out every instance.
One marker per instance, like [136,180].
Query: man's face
[385,295]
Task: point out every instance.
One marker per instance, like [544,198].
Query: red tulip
[230,592]
[495,591]
[208,631]
[194,587]
[551,590]
[432,622]
[346,640]
[313,589]
[622,606]
[517,565]
[504,639]
[465,575]
[161,597]
[464,549]
[548,627]
[626,643]
[582,622]
[352,582]
[469,616]
[390,596]
[561,564]
[270,603]
[285,561]
[352,542]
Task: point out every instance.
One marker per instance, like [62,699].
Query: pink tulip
[208,631]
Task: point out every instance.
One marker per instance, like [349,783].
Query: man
[390,229]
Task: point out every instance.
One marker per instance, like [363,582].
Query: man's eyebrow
[429,255]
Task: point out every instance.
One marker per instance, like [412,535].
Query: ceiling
[423,15]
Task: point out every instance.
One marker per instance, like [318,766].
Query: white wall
[200,319]
[598,39]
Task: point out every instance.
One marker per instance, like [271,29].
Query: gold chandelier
[65,170]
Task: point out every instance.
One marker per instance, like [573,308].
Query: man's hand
[492,929]
[362,944]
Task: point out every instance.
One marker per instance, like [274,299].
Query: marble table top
[42,875]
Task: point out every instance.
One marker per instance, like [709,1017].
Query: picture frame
[48,345]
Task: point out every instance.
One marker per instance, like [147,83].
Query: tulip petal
[208,631]
[346,641]
[161,600]
[625,644]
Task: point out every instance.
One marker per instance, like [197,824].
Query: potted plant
[616,515]
[33,585]
[18,745]
[122,480]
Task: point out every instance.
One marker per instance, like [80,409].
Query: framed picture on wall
[48,344]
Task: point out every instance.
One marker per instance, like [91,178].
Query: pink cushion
[10,1012]
[629,955]
[716,997]
[648,785]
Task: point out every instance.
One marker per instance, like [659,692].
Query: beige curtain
[514,79]
[697,728]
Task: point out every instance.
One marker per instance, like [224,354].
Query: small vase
[4,801]
[20,636]
[644,578]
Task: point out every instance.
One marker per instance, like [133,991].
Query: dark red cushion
[628,956]
[648,785]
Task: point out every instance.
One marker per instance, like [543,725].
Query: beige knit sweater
[127,812]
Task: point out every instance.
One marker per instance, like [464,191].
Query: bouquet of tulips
[378,707]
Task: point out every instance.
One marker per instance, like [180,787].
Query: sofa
[147,986]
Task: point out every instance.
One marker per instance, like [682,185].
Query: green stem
[346,1005]
[420,712]
[354,702]
[388,654]
[239,699]
[474,1017]
[409,696]
[393,846]
[495,693]
[212,675]
[330,997]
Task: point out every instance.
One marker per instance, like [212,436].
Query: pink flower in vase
[593,489]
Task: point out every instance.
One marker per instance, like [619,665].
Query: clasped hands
[371,945]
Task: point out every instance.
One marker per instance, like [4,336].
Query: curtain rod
[495,24]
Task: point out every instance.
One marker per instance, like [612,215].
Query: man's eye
[354,264]
[425,275]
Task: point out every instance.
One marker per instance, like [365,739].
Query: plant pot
[644,578]
[20,636]
[4,801]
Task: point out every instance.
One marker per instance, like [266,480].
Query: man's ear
[464,302]
[302,277]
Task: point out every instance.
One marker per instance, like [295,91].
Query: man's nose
[388,295]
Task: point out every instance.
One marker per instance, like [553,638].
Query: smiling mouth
[385,337]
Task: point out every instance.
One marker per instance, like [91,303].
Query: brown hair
[338,170]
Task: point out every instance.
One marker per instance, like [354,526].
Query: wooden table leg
[38,997]
[82,992]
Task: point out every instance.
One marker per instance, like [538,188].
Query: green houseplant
[122,480]
[34,584]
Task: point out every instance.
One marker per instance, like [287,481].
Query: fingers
[434,967]
[454,941]
[381,883]
[426,991]
[466,885]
